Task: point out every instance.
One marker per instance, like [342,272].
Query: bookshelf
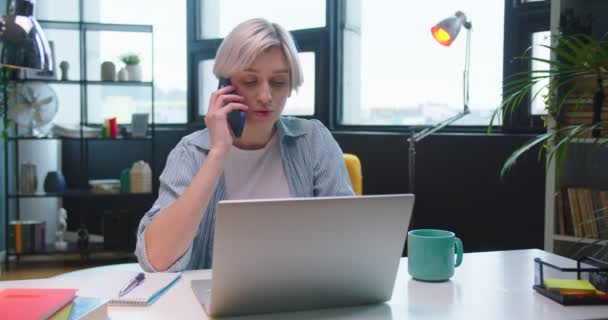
[83,100]
[575,196]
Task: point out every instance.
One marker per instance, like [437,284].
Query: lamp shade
[23,44]
[447,29]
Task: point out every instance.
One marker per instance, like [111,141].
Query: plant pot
[134,72]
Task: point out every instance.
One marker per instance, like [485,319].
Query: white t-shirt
[256,174]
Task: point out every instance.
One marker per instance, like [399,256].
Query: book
[17,303]
[63,314]
[85,308]
[152,288]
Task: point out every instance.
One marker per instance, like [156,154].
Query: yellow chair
[353,165]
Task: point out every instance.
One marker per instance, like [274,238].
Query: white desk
[488,285]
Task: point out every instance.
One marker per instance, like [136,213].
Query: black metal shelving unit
[82,193]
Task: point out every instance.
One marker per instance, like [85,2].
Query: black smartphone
[236,118]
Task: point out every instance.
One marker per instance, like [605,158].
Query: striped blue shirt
[312,161]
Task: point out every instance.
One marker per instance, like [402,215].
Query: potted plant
[576,84]
[131,61]
[8,86]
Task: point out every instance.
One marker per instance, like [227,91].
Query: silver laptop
[304,253]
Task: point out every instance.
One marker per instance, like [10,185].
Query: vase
[108,71]
[122,75]
[134,72]
[28,182]
[54,182]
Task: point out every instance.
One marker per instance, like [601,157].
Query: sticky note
[569,284]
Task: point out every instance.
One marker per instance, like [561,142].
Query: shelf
[560,237]
[92,82]
[78,194]
[148,138]
[590,140]
[94,26]
[72,248]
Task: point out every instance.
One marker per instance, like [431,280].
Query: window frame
[520,21]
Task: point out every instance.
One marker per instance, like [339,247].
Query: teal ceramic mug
[430,254]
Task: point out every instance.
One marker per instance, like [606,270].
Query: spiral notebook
[152,288]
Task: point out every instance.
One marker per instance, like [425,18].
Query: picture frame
[139,125]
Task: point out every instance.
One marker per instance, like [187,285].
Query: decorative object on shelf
[54,182]
[139,124]
[33,107]
[444,32]
[141,177]
[124,133]
[24,44]
[108,71]
[131,61]
[105,186]
[28,179]
[83,242]
[122,75]
[62,228]
[74,130]
[65,67]
[110,128]
[125,180]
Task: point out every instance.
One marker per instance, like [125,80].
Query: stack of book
[580,111]
[582,212]
[26,236]
[54,304]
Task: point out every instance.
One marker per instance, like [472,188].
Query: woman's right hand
[216,119]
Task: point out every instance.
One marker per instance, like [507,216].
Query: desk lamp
[445,32]
[23,44]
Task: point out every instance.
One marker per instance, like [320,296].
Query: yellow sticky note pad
[568,284]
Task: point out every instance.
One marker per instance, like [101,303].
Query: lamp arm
[467,66]
[430,130]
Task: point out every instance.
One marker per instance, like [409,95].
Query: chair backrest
[353,165]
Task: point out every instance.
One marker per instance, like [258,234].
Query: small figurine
[83,242]
[64,66]
[62,227]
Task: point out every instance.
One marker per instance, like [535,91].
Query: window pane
[68,96]
[57,10]
[117,101]
[111,45]
[301,103]
[538,39]
[66,47]
[217,17]
[395,72]
[168,19]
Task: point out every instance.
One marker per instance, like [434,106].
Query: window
[220,16]
[299,104]
[394,73]
[304,19]
[168,21]
[539,39]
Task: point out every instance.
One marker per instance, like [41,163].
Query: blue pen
[132,284]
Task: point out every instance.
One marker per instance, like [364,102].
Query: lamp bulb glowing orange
[442,36]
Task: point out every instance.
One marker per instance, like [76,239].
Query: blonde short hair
[251,38]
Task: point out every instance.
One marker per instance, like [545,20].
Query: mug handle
[459,251]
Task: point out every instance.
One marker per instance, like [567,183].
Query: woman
[276,157]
